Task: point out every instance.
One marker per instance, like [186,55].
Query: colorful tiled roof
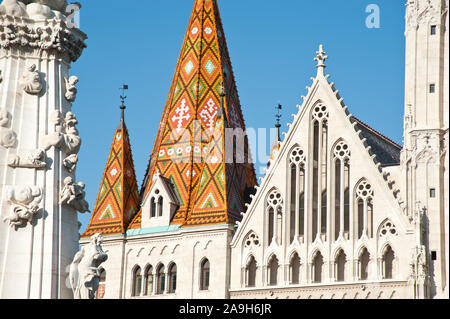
[118,197]
[210,193]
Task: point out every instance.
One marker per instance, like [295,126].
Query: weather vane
[278,116]
[123,98]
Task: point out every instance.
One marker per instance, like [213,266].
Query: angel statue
[84,272]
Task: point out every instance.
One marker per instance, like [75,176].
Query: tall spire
[123,97]
[278,119]
[209,193]
[118,198]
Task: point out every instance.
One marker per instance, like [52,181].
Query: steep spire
[209,193]
[118,198]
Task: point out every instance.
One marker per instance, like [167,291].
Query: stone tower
[39,142]
[425,154]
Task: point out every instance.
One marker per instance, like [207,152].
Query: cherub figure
[68,193]
[31,80]
[71,89]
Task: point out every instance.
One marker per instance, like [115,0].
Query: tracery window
[317,268]
[388,229]
[148,281]
[294,267]
[275,214]
[172,278]
[340,263]
[252,240]
[297,160]
[160,206]
[341,159]
[273,271]
[161,280]
[319,170]
[250,272]
[137,282]
[363,264]
[364,200]
[388,263]
[204,275]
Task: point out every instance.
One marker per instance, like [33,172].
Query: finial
[320,58]
[278,116]
[123,98]
[222,102]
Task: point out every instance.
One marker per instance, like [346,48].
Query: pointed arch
[148,280]
[364,197]
[251,267]
[388,262]
[294,268]
[317,267]
[340,261]
[363,263]
[341,188]
[274,204]
[296,191]
[172,275]
[273,270]
[136,288]
[205,274]
[160,279]
[387,229]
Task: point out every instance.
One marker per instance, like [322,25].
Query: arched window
[102,285]
[137,282]
[204,275]
[273,271]
[363,263]
[364,204]
[160,206]
[250,272]
[173,278]
[295,269]
[161,280]
[319,169]
[341,186]
[152,207]
[297,161]
[340,263]
[148,288]
[388,263]
[317,266]
[275,213]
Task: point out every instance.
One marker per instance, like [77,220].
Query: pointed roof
[214,192]
[118,197]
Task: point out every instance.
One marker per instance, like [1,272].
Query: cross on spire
[123,98]
[321,57]
[278,116]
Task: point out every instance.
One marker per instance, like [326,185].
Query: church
[342,212]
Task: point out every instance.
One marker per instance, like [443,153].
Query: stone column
[38,235]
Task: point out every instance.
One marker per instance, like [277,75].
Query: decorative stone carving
[252,240]
[66,137]
[421,13]
[28,159]
[8,138]
[297,157]
[418,264]
[70,163]
[31,80]
[73,195]
[25,200]
[388,229]
[4,118]
[71,89]
[84,271]
[13,8]
[54,37]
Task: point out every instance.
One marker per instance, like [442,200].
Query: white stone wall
[187,248]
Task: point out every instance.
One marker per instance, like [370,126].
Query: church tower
[425,153]
[39,195]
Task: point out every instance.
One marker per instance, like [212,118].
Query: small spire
[122,106]
[321,57]
[278,116]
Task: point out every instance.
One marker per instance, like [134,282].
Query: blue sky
[272,45]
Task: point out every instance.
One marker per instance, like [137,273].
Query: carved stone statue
[25,200]
[29,159]
[31,80]
[84,271]
[74,195]
[70,163]
[71,89]
[4,118]
[66,137]
[13,8]
[8,138]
